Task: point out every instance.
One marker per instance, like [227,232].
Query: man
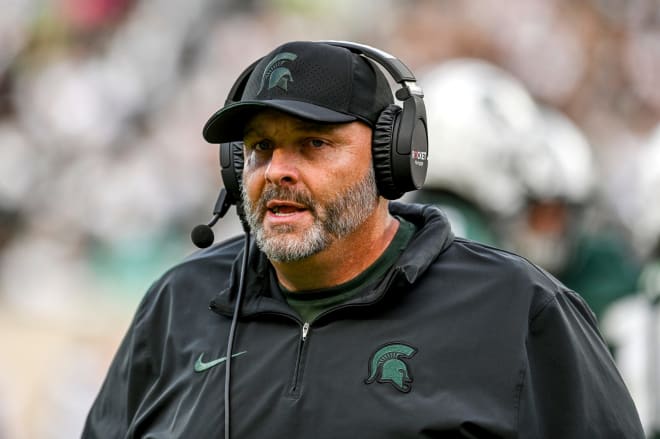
[360,317]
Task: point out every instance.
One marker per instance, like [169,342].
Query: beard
[333,219]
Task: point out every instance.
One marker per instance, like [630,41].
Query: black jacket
[458,340]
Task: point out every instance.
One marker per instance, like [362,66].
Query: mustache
[285,194]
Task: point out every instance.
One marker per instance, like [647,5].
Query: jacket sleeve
[571,388]
[130,375]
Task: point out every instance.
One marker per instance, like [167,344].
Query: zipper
[298,371]
[294,390]
[305,330]
[296,381]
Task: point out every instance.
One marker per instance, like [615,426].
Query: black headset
[399,142]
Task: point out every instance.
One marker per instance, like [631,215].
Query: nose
[282,169]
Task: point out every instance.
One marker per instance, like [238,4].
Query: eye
[261,145]
[317,143]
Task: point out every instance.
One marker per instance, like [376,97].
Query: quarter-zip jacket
[458,340]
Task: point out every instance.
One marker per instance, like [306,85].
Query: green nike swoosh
[201,366]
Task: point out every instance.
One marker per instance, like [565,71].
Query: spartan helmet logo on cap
[386,366]
[276,74]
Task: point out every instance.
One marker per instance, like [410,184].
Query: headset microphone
[202,235]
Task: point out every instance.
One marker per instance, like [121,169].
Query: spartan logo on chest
[387,366]
[276,74]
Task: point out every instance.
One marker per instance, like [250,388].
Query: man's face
[305,185]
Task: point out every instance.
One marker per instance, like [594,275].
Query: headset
[399,154]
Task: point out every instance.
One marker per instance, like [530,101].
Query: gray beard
[334,219]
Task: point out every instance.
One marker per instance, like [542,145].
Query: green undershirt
[310,304]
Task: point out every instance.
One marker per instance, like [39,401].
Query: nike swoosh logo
[201,366]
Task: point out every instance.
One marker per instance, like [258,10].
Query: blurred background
[544,112]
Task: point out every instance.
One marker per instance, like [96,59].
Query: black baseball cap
[311,80]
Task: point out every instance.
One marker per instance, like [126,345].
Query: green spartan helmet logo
[387,366]
[276,74]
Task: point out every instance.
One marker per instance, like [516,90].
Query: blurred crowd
[543,119]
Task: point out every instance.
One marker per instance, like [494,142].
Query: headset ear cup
[238,161]
[231,170]
[382,150]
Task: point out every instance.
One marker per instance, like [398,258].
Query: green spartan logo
[276,74]
[386,366]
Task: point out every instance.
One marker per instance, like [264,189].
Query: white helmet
[559,164]
[558,170]
[479,119]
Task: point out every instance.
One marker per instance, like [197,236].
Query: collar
[433,236]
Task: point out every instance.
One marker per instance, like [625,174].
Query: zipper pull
[305,330]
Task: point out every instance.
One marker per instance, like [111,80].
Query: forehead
[265,120]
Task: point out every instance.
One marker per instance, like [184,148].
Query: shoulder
[196,279]
[497,262]
[508,276]
[223,252]
[206,264]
